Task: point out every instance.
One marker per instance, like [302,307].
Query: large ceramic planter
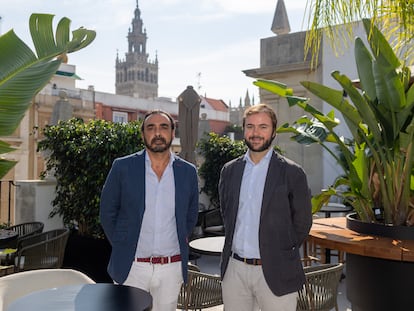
[89,255]
[376,284]
[395,232]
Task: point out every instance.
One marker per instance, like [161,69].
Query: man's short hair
[158,111]
[261,108]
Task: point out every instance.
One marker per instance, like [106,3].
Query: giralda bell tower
[136,75]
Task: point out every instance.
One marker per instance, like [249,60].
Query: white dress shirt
[158,236]
[246,234]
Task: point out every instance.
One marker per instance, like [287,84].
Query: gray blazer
[123,206]
[285,220]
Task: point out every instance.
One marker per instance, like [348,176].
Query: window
[120,117]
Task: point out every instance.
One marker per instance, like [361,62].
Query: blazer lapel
[272,179]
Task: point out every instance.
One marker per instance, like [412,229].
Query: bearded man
[149,207]
[266,205]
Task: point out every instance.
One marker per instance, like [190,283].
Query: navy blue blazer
[123,204]
[285,220]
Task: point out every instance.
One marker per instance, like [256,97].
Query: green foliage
[23,73]
[217,151]
[233,128]
[379,112]
[393,16]
[80,156]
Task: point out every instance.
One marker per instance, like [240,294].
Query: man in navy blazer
[266,206]
[149,207]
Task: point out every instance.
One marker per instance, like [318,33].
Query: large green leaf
[23,74]
[363,59]
[274,87]
[5,165]
[380,47]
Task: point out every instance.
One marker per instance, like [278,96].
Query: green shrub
[217,151]
[80,155]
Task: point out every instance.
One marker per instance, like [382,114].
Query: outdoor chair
[20,284]
[193,267]
[311,253]
[42,251]
[213,223]
[201,291]
[27,228]
[320,291]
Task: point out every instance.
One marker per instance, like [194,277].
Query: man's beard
[266,144]
[158,148]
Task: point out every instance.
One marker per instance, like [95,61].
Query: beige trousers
[245,289]
[163,281]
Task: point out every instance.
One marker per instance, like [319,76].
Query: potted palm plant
[377,159]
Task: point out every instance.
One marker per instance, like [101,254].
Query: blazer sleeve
[300,199]
[110,200]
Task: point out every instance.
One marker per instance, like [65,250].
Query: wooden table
[87,297]
[332,233]
[380,270]
[208,245]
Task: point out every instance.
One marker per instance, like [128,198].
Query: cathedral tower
[136,75]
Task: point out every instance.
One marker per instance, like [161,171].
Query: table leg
[327,255]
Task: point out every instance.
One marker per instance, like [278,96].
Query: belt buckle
[162,260]
[151,260]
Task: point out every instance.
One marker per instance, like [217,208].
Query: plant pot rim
[390,231]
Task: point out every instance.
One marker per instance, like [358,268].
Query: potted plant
[23,73]
[377,159]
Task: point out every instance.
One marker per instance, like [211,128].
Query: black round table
[85,297]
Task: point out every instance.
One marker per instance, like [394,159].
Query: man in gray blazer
[266,207]
[149,207]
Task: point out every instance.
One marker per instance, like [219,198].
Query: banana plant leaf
[23,72]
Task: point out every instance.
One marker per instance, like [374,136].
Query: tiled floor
[210,264]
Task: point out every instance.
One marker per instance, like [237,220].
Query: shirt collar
[266,158]
[172,158]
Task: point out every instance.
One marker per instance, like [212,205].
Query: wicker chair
[27,229]
[42,251]
[201,291]
[320,291]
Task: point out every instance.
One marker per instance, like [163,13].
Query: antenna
[198,82]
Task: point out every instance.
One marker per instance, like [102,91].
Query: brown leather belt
[160,260]
[249,261]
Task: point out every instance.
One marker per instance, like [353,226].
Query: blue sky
[203,43]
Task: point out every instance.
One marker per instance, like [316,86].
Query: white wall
[33,202]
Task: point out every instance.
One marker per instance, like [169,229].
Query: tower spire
[137,76]
[280,23]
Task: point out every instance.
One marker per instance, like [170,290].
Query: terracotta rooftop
[216,104]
